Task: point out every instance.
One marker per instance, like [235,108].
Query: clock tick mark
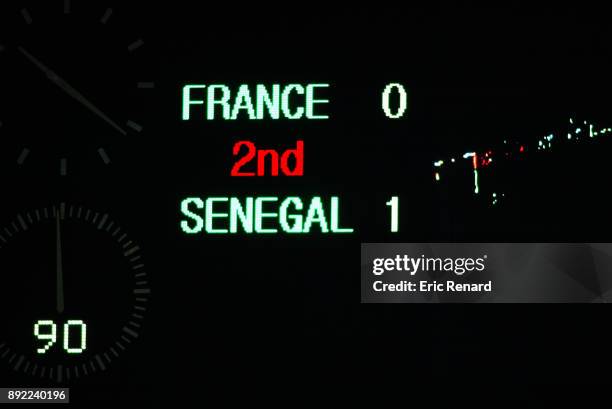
[145,85]
[26,16]
[19,362]
[22,222]
[142,291]
[100,363]
[135,126]
[134,324]
[104,156]
[135,45]
[131,251]
[63,167]
[23,156]
[102,222]
[130,332]
[107,14]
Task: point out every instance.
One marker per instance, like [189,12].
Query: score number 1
[50,335]
[394,204]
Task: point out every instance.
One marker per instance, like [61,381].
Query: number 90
[46,330]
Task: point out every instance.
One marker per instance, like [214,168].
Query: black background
[274,310]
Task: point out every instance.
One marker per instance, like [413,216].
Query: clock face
[75,86]
[77,289]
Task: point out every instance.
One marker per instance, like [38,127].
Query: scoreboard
[187,190]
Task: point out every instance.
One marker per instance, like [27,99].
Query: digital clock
[84,292]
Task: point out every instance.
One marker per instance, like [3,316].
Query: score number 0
[403,100]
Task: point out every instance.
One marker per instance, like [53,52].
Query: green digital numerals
[46,330]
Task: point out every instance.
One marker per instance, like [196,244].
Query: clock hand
[59,265]
[57,80]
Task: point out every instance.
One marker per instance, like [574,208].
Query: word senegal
[291,101]
[260,215]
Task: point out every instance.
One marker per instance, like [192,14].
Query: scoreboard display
[187,190]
